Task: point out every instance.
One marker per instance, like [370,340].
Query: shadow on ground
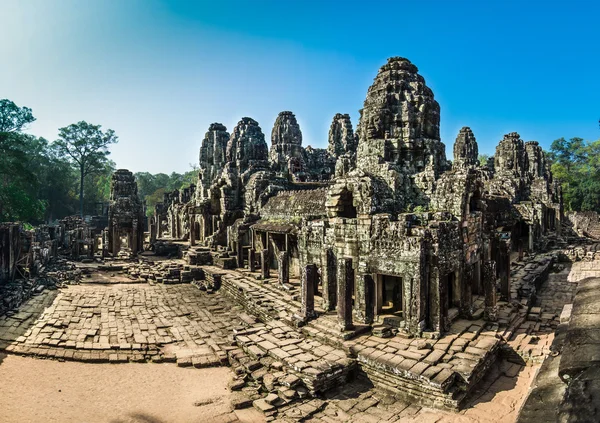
[14,326]
[139,418]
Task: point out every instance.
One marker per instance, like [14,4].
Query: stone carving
[212,156]
[286,153]
[465,149]
[341,136]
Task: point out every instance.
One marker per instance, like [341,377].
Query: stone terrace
[435,372]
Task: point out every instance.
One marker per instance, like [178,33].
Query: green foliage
[86,146]
[576,164]
[19,185]
[483,159]
[14,118]
[152,187]
[153,199]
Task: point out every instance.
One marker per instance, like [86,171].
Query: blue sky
[159,72]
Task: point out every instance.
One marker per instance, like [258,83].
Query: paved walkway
[124,322]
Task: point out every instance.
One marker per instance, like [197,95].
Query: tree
[87,148]
[483,159]
[14,118]
[576,164]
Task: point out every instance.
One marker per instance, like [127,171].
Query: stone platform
[432,372]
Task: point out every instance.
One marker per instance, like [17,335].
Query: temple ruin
[375,259]
[398,234]
[125,215]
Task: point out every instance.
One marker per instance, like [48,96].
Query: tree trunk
[81,193]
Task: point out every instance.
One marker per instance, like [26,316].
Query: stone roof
[282,228]
[292,205]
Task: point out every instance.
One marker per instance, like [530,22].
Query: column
[192,230]
[116,241]
[264,264]
[328,275]
[252,259]
[467,278]
[134,238]
[284,268]
[489,286]
[239,252]
[504,270]
[345,285]
[309,280]
[531,237]
[365,301]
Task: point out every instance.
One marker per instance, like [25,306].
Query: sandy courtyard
[35,390]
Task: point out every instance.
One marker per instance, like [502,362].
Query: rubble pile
[165,272]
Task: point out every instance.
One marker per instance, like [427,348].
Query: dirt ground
[35,390]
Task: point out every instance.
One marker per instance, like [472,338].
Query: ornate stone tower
[125,213]
[341,136]
[510,156]
[286,143]
[212,157]
[247,146]
[465,149]
[399,136]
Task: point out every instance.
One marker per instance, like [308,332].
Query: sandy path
[34,390]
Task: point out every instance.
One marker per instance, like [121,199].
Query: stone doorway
[347,204]
[388,296]
[452,291]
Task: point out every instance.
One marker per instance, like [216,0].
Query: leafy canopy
[14,118]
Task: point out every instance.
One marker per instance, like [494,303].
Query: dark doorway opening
[348,209]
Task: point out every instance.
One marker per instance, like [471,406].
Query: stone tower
[510,155]
[247,146]
[125,213]
[465,149]
[212,157]
[399,136]
[341,136]
[286,142]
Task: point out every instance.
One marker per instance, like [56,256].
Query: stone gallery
[376,262]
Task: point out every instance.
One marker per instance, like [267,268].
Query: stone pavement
[534,336]
[119,323]
[497,398]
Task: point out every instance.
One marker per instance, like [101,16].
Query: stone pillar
[309,281]
[116,241]
[153,226]
[466,294]
[283,264]
[438,311]
[531,237]
[489,286]
[365,312]
[504,270]
[239,253]
[328,276]
[134,238]
[192,231]
[252,259]
[264,264]
[345,285]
